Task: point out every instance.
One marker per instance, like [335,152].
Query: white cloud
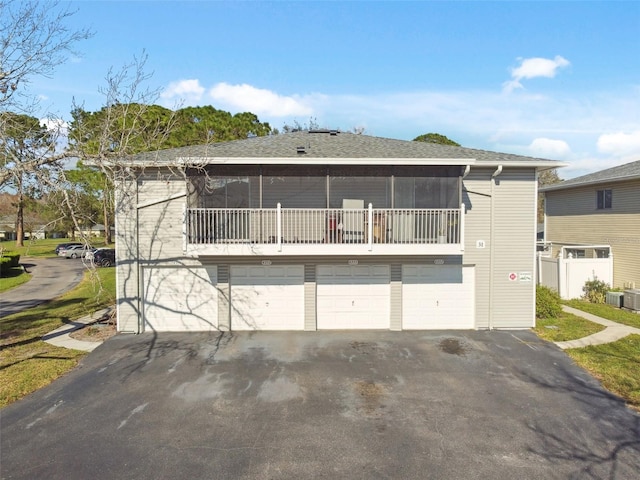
[55,125]
[533,68]
[188,91]
[570,127]
[620,144]
[259,101]
[548,148]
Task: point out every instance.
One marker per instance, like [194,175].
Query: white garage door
[437,297]
[267,298]
[353,297]
[180,299]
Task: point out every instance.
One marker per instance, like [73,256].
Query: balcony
[337,231]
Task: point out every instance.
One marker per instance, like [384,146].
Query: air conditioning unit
[632,299]
[616,299]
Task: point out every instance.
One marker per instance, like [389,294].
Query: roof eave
[562,186]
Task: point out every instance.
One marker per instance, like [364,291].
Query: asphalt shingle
[327,144]
[628,171]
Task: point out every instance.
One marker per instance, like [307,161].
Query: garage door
[180,299]
[437,297]
[267,297]
[353,297]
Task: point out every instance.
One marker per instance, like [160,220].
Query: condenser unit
[632,299]
[615,298]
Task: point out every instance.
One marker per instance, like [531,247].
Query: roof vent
[325,130]
[301,149]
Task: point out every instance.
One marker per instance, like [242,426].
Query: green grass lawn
[607,311]
[14,277]
[43,248]
[26,362]
[565,327]
[616,365]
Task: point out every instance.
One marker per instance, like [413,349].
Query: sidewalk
[60,336]
[614,331]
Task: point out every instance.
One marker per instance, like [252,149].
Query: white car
[76,251]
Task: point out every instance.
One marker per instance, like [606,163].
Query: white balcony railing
[227,226]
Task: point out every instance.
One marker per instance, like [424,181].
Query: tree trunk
[20,217]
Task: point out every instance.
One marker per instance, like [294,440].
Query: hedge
[8,261]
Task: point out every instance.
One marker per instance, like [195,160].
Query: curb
[60,336]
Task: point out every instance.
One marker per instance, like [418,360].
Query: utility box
[632,299]
[615,298]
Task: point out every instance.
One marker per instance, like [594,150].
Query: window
[604,199]
[575,253]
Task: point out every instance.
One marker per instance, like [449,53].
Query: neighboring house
[96,230]
[602,208]
[8,229]
[326,230]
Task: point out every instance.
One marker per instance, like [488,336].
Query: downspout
[492,244]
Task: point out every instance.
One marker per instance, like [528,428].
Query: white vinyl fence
[567,274]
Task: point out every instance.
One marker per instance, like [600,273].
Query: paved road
[51,278]
[350,405]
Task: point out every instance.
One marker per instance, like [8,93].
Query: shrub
[595,291]
[547,302]
[9,260]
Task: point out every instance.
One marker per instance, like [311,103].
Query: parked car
[75,251]
[105,257]
[88,255]
[63,246]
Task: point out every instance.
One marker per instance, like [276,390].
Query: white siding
[179,299]
[127,278]
[514,233]
[477,200]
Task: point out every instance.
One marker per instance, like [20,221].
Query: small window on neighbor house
[604,199]
[602,253]
[575,253]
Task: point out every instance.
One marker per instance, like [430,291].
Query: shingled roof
[628,171]
[330,144]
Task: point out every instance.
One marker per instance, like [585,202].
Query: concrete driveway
[356,405]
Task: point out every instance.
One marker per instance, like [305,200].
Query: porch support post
[461,226]
[370,226]
[279,226]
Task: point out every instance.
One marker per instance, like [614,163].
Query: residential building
[601,208]
[321,230]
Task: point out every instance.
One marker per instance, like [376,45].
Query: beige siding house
[602,208]
[322,230]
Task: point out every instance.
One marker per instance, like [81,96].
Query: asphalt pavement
[336,405]
[51,277]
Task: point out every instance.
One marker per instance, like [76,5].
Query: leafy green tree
[25,139]
[435,138]
[206,124]
[94,191]
[546,177]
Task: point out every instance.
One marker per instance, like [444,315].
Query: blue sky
[558,80]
